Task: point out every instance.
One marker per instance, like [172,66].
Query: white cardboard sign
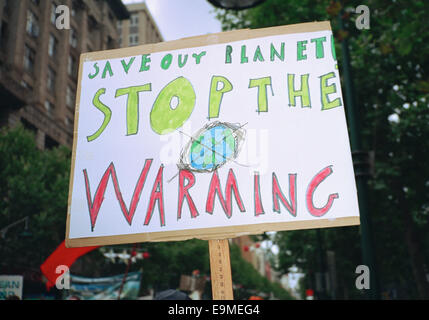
[211,137]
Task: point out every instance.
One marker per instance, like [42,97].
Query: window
[6,7]
[50,80]
[70,97]
[134,19]
[50,143]
[92,24]
[29,58]
[75,8]
[71,67]
[133,40]
[53,13]
[68,121]
[26,85]
[4,36]
[111,44]
[52,47]
[73,38]
[29,126]
[49,107]
[32,24]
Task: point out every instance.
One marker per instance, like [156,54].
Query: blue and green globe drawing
[212,147]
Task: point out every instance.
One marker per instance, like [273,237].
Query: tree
[390,71]
[34,185]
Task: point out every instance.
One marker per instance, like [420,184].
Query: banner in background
[106,288]
[11,285]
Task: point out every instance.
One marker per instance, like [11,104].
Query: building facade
[39,62]
[252,253]
[140,28]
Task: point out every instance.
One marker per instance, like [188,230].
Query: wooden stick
[220,267]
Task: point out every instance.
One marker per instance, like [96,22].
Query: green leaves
[35,185]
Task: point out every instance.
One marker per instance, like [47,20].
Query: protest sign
[211,137]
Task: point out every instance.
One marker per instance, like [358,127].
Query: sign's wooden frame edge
[206,40]
[203,233]
[212,233]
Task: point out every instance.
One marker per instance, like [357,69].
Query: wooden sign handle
[220,268]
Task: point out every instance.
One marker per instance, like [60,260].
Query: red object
[309,293]
[61,256]
[246,248]
[133,252]
[257,245]
[146,255]
[196,272]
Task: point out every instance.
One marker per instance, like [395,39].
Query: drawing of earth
[212,146]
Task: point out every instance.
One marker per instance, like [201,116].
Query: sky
[180,19]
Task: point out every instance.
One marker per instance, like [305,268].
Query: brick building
[39,63]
